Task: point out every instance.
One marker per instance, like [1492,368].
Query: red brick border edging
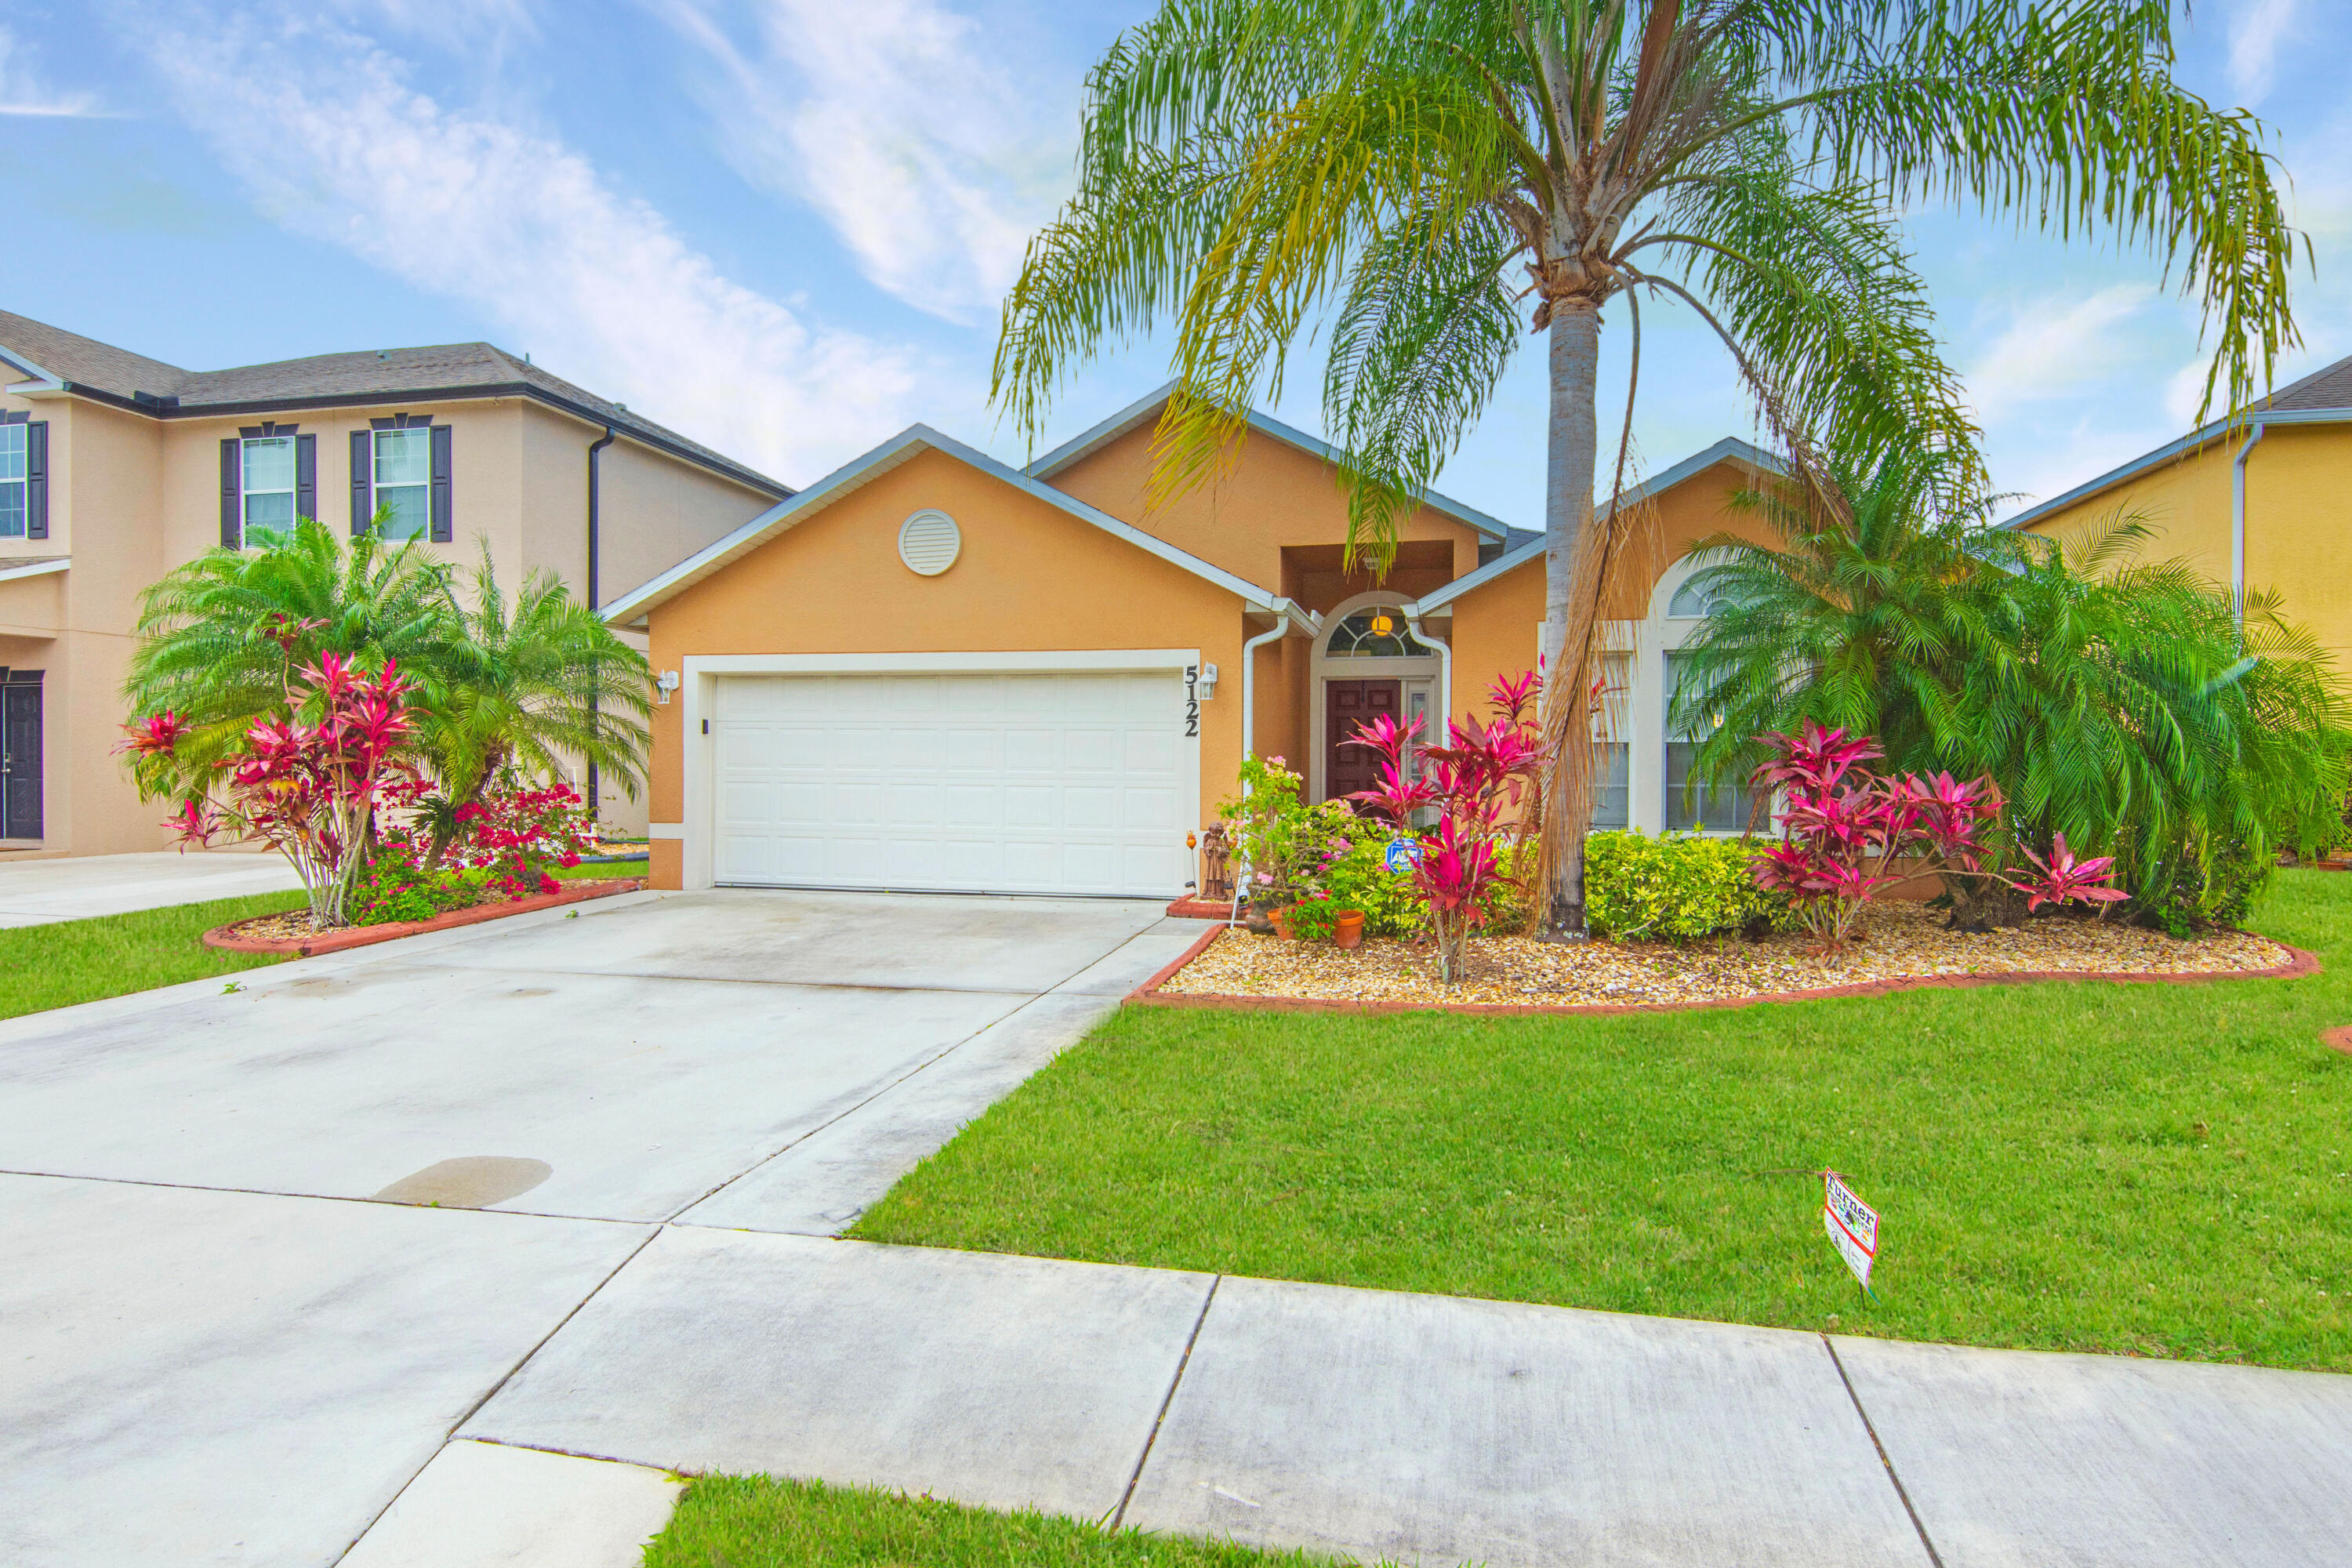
[2338,1038]
[1148,993]
[367,936]
[1200,910]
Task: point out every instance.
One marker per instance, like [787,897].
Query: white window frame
[377,487]
[246,489]
[22,484]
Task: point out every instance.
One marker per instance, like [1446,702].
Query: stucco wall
[1495,626]
[1271,496]
[2298,520]
[1029,577]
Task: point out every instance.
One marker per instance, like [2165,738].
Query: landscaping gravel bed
[1894,942]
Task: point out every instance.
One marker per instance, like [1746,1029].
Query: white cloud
[22,92]
[928,160]
[2257,28]
[2053,349]
[322,127]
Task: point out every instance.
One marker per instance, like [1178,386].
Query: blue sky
[783,227]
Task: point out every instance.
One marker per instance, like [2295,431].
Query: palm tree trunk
[1571,600]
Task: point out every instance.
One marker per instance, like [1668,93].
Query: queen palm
[1434,179]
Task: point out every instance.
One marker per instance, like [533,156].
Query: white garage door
[1014,782]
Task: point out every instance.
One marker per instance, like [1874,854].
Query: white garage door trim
[699,698]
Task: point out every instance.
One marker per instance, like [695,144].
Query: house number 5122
[1191,700]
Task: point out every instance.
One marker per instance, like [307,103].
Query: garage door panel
[1014,782]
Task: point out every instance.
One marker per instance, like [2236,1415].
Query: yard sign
[1853,1225]
[1403,855]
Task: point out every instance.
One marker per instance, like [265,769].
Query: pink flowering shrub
[308,790]
[1847,832]
[1477,784]
[508,844]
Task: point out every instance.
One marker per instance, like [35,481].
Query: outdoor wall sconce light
[1208,681]
[666,683]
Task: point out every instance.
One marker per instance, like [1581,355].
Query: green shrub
[1360,878]
[2193,891]
[1674,887]
[394,887]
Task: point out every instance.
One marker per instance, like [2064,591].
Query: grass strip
[2142,1169]
[46,967]
[757,1521]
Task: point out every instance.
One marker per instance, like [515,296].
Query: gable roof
[68,362]
[1136,413]
[1729,449]
[2323,398]
[851,475]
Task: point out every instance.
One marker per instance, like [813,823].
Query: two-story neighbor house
[933,670]
[115,468]
[2255,504]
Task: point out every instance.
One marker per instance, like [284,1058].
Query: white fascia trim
[915,438]
[41,381]
[1730,450]
[2199,438]
[36,569]
[1100,436]
[1022,661]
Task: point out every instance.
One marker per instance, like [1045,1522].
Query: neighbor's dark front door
[20,759]
[1347,705]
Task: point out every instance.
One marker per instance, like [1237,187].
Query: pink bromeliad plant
[1847,832]
[1475,784]
[308,789]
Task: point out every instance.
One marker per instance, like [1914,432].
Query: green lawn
[80,960]
[735,1521]
[2153,1170]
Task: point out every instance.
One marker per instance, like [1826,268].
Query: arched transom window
[1374,633]
[1696,598]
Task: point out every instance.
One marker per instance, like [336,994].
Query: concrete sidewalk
[1424,1429]
[41,892]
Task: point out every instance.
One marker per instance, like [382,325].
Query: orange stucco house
[932,670]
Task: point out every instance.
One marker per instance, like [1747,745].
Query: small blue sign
[1404,854]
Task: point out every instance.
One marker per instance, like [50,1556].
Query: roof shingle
[369,373]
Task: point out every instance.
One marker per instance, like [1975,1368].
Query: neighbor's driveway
[40,892]
[214,1357]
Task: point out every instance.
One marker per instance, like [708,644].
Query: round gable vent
[928,543]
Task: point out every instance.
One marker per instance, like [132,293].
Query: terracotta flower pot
[1281,919]
[1347,928]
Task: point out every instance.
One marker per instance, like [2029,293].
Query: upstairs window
[404,481]
[268,488]
[14,506]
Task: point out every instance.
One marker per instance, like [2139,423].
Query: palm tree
[2125,703]
[1415,169]
[219,636]
[521,689]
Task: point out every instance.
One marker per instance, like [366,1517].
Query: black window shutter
[306,477]
[232,493]
[36,480]
[442,533]
[362,481]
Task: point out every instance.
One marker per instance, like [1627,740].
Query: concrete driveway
[225,1360]
[40,892]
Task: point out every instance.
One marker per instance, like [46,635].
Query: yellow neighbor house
[2265,504]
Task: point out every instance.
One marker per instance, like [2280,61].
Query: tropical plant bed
[1895,944]
[294,931]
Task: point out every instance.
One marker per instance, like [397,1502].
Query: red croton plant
[306,789]
[1476,784]
[1847,832]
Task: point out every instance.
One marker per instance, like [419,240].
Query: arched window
[1696,599]
[1377,632]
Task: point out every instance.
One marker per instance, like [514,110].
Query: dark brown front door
[1347,705]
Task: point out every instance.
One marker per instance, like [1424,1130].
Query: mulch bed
[293,932]
[1900,945]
